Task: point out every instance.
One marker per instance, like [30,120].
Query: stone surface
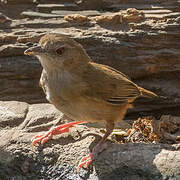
[76,18]
[91,4]
[12,50]
[49,7]
[31,14]
[19,79]
[127,44]
[85,13]
[59,157]
[12,113]
[16,1]
[3,18]
[147,49]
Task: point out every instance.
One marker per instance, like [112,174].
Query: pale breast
[45,85]
[61,86]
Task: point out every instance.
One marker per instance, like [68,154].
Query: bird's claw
[85,162]
[41,138]
[54,131]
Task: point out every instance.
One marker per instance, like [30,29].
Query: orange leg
[54,131]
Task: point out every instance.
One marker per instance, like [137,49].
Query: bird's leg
[54,131]
[87,160]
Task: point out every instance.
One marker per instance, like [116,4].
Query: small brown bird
[83,90]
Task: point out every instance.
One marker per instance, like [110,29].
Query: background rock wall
[138,37]
[143,43]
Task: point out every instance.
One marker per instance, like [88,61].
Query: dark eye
[60,50]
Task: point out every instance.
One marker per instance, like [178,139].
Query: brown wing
[108,84]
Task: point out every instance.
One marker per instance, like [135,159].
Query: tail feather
[146,93]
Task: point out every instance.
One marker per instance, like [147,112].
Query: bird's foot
[87,160]
[54,131]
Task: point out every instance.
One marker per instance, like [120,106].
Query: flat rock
[146,50]
[16,1]
[31,14]
[34,38]
[12,113]
[143,7]
[59,157]
[49,7]
[91,4]
[12,50]
[20,79]
[47,113]
[85,13]
[8,39]
[129,46]
[3,18]
[162,16]
[161,11]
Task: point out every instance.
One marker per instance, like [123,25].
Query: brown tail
[146,93]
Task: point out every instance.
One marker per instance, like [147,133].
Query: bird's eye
[60,50]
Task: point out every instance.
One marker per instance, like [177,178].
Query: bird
[83,90]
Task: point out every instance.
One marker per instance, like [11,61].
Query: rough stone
[16,1]
[49,7]
[155,63]
[8,39]
[59,157]
[147,50]
[90,4]
[3,18]
[12,113]
[39,15]
[12,50]
[76,18]
[20,79]
[85,13]
[40,114]
[32,38]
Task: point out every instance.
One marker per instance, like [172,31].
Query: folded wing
[117,87]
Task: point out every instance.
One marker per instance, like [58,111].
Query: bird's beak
[34,50]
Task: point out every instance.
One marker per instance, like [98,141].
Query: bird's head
[58,51]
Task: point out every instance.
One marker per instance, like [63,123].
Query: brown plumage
[82,89]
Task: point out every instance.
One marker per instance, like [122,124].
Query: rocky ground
[140,38]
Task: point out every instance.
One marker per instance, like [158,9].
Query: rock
[133,15]
[32,38]
[57,14]
[115,18]
[145,7]
[47,8]
[178,20]
[38,15]
[76,18]
[90,4]
[158,11]
[17,1]
[8,39]
[144,45]
[3,18]
[59,157]
[141,158]
[84,13]
[12,50]
[129,16]
[20,79]
[39,115]
[12,113]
